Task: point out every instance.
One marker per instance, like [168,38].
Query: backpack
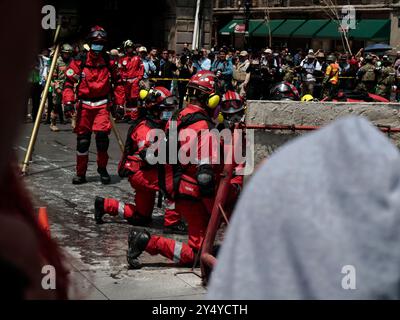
[130,148]
[173,181]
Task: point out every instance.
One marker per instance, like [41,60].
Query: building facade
[160,23]
[307,24]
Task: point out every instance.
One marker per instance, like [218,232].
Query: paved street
[96,253]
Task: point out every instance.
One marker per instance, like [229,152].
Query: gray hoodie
[319,220]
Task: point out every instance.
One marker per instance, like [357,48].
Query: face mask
[97,47]
[166,115]
[231,120]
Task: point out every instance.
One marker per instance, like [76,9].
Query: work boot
[139,220]
[137,243]
[79,180]
[177,228]
[53,126]
[104,176]
[99,210]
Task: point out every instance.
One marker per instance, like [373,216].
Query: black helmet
[331,58]
[284,91]
[369,58]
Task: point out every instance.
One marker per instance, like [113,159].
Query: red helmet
[204,81]
[159,97]
[232,102]
[97,34]
[284,91]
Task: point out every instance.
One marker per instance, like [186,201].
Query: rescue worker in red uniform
[233,110]
[88,83]
[191,185]
[143,177]
[132,71]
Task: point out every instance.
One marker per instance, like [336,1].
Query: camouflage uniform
[57,84]
[367,78]
[386,81]
[288,72]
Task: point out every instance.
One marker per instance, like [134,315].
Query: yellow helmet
[307,97]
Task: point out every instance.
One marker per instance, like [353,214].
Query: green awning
[371,29]
[329,31]
[262,29]
[310,28]
[230,27]
[287,28]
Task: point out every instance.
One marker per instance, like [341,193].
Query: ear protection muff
[220,118]
[143,94]
[213,101]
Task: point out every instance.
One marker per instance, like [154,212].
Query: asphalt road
[97,253]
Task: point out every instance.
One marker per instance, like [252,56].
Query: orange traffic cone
[44,220]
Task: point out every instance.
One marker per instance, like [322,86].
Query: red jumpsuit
[92,73]
[143,178]
[132,70]
[196,210]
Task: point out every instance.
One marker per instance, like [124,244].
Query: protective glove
[69,109]
[119,112]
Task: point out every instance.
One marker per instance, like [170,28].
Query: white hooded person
[319,220]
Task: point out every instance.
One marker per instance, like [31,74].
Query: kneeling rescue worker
[88,77]
[159,105]
[192,185]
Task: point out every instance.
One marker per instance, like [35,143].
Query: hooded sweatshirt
[319,220]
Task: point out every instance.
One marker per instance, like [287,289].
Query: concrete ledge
[312,114]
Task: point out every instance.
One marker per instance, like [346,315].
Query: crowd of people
[199,90]
[255,75]
[143,89]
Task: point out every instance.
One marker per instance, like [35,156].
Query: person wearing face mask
[159,105]
[232,108]
[132,70]
[191,183]
[88,83]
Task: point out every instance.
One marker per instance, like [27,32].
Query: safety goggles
[169,102]
[232,105]
[98,34]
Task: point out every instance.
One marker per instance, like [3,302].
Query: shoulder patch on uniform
[70,72]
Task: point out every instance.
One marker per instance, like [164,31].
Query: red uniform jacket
[131,67]
[138,140]
[95,76]
[132,70]
[205,148]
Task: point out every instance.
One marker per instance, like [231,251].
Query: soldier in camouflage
[386,78]
[58,84]
[367,76]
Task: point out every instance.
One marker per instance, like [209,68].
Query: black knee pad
[83,143]
[102,141]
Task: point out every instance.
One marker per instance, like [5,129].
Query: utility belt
[95,104]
